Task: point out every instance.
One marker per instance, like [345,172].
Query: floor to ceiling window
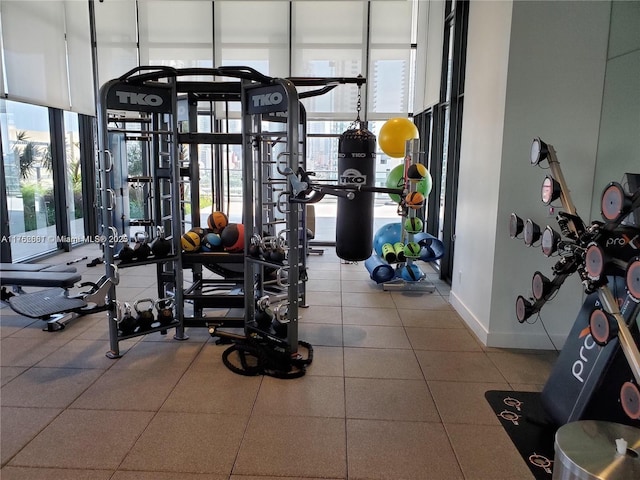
[28,171]
[73,164]
[441,129]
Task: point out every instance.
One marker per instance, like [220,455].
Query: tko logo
[577,369]
[351,176]
[267,99]
[132,98]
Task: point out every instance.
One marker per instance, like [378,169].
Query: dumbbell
[145,318]
[142,249]
[127,323]
[164,308]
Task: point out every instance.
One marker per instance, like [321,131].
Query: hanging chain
[357,121]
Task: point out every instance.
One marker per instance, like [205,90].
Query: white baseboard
[536,341]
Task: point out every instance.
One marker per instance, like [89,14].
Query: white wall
[480,161]
[533,69]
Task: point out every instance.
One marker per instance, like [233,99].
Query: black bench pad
[35,267]
[45,303]
[39,278]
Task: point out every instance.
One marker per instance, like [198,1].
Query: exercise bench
[53,304]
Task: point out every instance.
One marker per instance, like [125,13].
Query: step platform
[45,303]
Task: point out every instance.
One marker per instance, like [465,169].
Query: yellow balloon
[394,134]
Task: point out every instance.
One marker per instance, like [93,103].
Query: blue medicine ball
[411,273]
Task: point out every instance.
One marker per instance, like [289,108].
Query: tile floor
[395,391]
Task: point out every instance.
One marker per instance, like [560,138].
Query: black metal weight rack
[164,109]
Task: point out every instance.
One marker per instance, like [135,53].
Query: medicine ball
[414,200]
[395,179]
[217,221]
[211,242]
[190,241]
[412,250]
[413,225]
[233,237]
[411,273]
[416,171]
[201,232]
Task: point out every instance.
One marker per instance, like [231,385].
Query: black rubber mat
[524,420]
[44,303]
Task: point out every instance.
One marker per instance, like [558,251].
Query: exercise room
[319,239]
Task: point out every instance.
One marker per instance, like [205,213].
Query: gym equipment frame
[166,107]
[605,256]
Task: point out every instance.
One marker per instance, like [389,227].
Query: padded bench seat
[35,275]
[35,267]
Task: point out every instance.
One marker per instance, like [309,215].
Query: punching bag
[354,220]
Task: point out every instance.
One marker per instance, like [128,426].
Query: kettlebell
[126,253]
[142,248]
[127,323]
[164,307]
[161,247]
[145,317]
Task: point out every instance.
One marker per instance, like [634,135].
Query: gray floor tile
[375,337]
[367,300]
[152,475]
[458,366]
[79,354]
[124,389]
[412,317]
[384,449]
[217,390]
[92,439]
[28,473]
[9,373]
[20,425]
[320,334]
[26,352]
[327,361]
[497,459]
[188,442]
[465,402]
[524,367]
[370,316]
[48,387]
[296,447]
[389,399]
[312,396]
[381,363]
[321,314]
[446,339]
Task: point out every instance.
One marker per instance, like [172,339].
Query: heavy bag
[354,219]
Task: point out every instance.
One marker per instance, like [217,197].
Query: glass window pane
[29,178]
[389,82]
[75,206]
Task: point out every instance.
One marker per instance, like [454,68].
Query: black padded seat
[39,278]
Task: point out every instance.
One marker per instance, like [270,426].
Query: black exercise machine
[55,304]
[598,371]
